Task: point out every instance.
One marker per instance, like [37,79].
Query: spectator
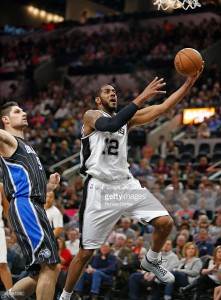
[203,131]
[202,211]
[203,166]
[101,269]
[161,168]
[138,249]
[215,230]
[209,275]
[172,149]
[119,242]
[190,131]
[162,146]
[179,245]
[185,210]
[126,230]
[143,169]
[72,244]
[175,169]
[205,246]
[54,215]
[188,269]
[64,253]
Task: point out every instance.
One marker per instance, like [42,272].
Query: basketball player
[25,186]
[104,162]
[5,273]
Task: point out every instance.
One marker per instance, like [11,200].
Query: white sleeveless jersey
[1,211]
[104,154]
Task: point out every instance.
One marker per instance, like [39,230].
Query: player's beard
[107,107]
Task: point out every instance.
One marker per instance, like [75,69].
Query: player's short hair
[97,92]
[5,110]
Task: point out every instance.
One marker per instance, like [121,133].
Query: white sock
[151,255]
[65,295]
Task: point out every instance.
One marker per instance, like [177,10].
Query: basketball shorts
[34,233]
[3,248]
[104,204]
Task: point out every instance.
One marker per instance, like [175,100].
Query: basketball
[188,61]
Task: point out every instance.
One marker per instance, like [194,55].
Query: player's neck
[111,113]
[18,133]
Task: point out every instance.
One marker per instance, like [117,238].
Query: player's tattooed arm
[90,118]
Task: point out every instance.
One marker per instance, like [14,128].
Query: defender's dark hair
[5,110]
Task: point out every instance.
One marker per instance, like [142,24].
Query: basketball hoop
[175,4]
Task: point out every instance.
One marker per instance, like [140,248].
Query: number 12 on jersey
[111,147]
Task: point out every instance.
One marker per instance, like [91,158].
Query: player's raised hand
[53,182]
[154,88]
[191,80]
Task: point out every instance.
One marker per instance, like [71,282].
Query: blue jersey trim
[20,180]
[29,222]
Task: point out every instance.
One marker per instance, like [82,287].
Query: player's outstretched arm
[94,120]
[8,143]
[149,114]
[153,88]
[53,182]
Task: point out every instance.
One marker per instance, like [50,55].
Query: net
[175,4]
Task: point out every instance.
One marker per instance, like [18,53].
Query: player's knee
[168,224]
[57,268]
[85,254]
[163,224]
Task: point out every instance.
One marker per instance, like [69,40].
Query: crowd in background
[142,43]
[184,188]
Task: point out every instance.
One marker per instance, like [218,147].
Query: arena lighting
[42,13]
[30,9]
[55,18]
[197,115]
[35,11]
[49,17]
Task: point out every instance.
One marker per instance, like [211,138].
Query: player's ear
[5,120]
[98,100]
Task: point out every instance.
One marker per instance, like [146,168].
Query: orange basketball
[188,61]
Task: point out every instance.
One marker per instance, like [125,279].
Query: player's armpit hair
[113,124]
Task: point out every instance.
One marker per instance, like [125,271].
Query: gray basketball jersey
[104,154]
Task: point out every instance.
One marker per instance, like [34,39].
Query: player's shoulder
[92,115]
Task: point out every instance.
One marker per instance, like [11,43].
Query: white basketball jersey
[104,154]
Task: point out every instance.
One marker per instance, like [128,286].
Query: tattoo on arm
[90,117]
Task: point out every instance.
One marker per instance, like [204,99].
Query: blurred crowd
[142,43]
[180,182]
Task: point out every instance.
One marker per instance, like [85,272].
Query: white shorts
[105,203]
[3,248]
